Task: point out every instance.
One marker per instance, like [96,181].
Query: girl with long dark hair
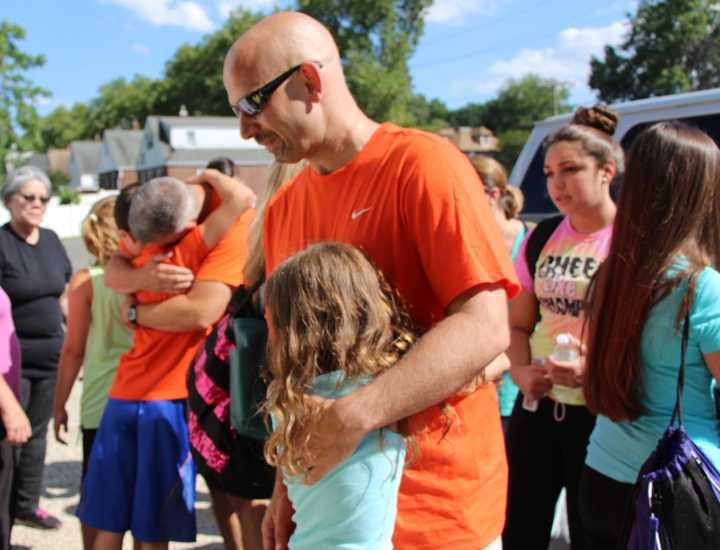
[661,266]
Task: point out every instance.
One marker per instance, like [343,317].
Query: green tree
[376,39]
[193,76]
[672,46]
[429,115]
[521,103]
[511,115]
[121,103]
[63,125]
[19,120]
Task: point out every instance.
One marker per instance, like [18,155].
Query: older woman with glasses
[34,271]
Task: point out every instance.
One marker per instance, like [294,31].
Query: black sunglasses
[29,197]
[253,103]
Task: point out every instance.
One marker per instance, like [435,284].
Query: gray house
[84,163]
[118,158]
[181,146]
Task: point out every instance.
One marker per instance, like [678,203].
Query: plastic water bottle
[564,350]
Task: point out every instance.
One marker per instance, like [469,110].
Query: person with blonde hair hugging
[233,467]
[96,336]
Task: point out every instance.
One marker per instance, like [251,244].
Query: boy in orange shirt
[141,476]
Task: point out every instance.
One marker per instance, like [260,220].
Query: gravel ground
[60,497]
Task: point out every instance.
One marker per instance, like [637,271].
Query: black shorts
[229,463]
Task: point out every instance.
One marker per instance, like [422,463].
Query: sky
[469,49]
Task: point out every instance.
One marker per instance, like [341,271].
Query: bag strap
[677,411]
[243,295]
[537,240]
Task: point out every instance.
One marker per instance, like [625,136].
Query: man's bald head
[275,44]
[311,114]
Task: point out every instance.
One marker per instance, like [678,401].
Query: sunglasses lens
[249,107]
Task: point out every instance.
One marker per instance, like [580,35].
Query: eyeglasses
[29,197]
[253,103]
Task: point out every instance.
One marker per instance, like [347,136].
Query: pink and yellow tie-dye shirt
[564,269]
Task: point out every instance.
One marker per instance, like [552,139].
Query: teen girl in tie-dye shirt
[546,446]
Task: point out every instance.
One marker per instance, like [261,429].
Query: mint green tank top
[108,338]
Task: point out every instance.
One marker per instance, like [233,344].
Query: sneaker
[39,519]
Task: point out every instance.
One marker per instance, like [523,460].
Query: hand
[533,380]
[277,525]
[124,308]
[161,277]
[494,370]
[16,424]
[60,423]
[568,373]
[240,190]
[334,442]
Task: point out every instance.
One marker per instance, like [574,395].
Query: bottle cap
[562,339]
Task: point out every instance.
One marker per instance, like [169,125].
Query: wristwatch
[132,314]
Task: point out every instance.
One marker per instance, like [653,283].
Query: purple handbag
[676,499]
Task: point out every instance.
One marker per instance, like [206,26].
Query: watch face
[132,314]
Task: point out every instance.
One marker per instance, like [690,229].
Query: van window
[708,123]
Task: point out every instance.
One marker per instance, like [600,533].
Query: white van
[701,109]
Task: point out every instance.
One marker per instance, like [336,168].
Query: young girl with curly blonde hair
[334,325]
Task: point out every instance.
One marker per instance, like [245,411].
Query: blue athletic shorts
[141,476]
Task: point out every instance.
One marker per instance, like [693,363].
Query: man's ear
[313,80]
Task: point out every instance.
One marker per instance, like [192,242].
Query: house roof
[192,121]
[123,146]
[471,140]
[200,157]
[86,155]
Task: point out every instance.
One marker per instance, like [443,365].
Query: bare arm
[532,380]
[154,276]
[13,416]
[235,197]
[446,358]
[712,360]
[196,310]
[79,300]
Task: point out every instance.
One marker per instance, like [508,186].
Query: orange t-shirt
[413,203]
[156,366]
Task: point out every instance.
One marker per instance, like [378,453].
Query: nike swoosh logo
[357,213]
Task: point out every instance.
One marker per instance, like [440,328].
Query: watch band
[132,314]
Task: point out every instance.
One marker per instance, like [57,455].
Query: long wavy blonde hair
[278,175]
[330,309]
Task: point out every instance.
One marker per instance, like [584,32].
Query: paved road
[60,497]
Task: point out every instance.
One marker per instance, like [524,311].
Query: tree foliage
[511,115]
[376,38]
[19,120]
[672,46]
[193,76]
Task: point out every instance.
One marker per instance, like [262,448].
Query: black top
[34,276]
